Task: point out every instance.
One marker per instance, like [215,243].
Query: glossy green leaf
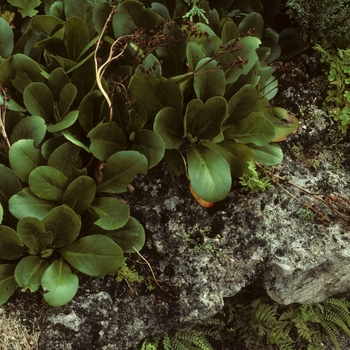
[168,124]
[66,98]
[67,121]
[154,93]
[7,39]
[59,283]
[236,155]
[148,64]
[94,255]
[241,104]
[112,212]
[120,170]
[26,7]
[76,37]
[229,31]
[252,20]
[33,234]
[8,283]
[64,225]
[27,71]
[90,109]
[250,44]
[47,182]
[209,79]
[137,118]
[193,107]
[31,127]
[24,158]
[11,246]
[100,14]
[106,139]
[175,160]
[83,78]
[132,234]
[286,124]
[57,80]
[80,193]
[48,25]
[209,173]
[29,271]
[253,129]
[208,121]
[65,158]
[38,99]
[194,53]
[150,145]
[270,154]
[51,145]
[25,203]
[76,139]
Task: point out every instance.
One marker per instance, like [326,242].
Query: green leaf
[64,158]
[241,104]
[106,139]
[47,182]
[26,7]
[11,246]
[208,121]
[235,154]
[66,98]
[90,110]
[120,170]
[67,121]
[48,25]
[209,79]
[38,100]
[229,31]
[175,160]
[24,158]
[270,154]
[286,124]
[194,53]
[112,212]
[59,283]
[150,145]
[29,271]
[50,145]
[1,213]
[7,39]
[9,185]
[76,37]
[77,140]
[64,224]
[253,129]
[137,118]
[94,255]
[25,203]
[168,124]
[193,107]
[57,80]
[154,93]
[80,193]
[31,127]
[8,283]
[33,234]
[209,173]
[252,20]
[132,234]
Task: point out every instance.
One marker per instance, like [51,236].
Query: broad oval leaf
[112,212]
[193,107]
[67,121]
[24,158]
[150,145]
[29,271]
[8,284]
[11,246]
[120,170]
[59,283]
[25,203]
[47,182]
[66,98]
[38,100]
[208,121]
[46,24]
[33,234]
[6,42]
[194,53]
[209,79]
[209,173]
[106,139]
[90,110]
[270,154]
[80,193]
[64,224]
[31,127]
[131,235]
[253,129]
[94,255]
[169,125]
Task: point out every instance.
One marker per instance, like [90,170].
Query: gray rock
[204,255]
